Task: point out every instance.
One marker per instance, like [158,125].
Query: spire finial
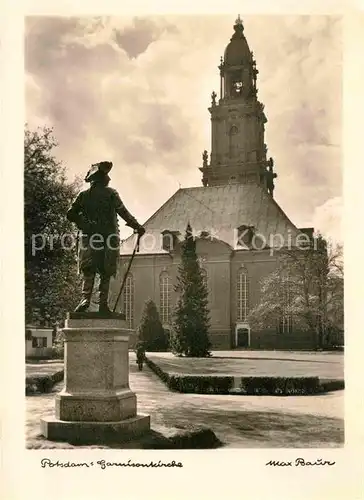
[238,26]
[239,22]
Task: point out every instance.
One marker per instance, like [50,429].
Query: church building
[233,215]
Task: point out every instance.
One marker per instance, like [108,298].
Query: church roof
[218,210]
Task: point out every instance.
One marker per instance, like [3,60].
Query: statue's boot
[104,294]
[87,288]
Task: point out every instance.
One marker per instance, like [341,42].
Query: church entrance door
[242,337]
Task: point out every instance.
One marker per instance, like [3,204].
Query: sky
[135,90]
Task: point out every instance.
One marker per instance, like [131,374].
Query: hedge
[42,383]
[332,385]
[259,386]
[201,384]
[279,386]
[157,370]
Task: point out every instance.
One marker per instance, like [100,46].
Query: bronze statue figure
[270,175]
[213,98]
[205,158]
[95,212]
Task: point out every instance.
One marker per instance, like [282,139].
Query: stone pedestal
[96,403]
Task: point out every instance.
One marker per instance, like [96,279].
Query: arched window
[233,141]
[128,300]
[165,297]
[242,295]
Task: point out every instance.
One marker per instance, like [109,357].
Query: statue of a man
[204,158]
[270,175]
[95,212]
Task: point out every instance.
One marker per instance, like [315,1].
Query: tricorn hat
[98,170]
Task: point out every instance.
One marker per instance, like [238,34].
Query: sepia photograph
[184,273]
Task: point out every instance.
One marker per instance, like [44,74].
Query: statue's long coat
[95,212]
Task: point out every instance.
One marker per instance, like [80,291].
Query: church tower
[235,222]
[238,151]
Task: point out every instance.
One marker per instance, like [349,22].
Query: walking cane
[136,248]
[77,249]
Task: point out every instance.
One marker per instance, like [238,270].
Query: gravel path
[43,368]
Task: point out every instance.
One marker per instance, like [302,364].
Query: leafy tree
[51,281]
[191,325]
[307,286]
[151,330]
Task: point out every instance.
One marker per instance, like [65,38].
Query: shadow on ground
[264,429]
[153,440]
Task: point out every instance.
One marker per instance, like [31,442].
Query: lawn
[256,363]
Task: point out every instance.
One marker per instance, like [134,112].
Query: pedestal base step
[96,315]
[94,432]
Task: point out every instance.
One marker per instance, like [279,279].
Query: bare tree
[306,287]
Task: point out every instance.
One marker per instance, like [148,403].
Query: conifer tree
[191,324]
[151,330]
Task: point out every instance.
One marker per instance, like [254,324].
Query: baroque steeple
[238,151]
